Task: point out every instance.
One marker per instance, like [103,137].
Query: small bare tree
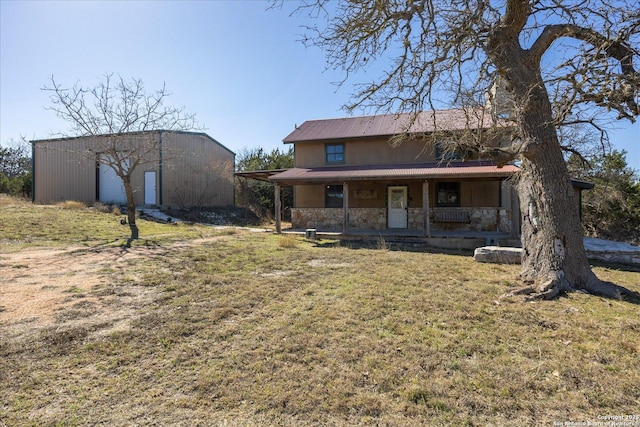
[555,60]
[120,114]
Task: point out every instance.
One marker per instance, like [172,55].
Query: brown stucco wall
[365,152]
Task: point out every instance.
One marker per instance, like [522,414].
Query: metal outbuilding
[175,169]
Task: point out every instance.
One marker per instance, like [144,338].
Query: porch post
[425,208]
[515,212]
[345,208]
[277,208]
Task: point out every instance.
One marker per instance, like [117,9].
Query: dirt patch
[95,288]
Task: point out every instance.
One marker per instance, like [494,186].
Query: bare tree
[555,60]
[120,114]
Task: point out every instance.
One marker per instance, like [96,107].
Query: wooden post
[345,208]
[245,196]
[515,211]
[425,208]
[277,208]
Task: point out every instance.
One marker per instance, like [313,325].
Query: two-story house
[348,177]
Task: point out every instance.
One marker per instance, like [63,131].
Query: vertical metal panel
[197,171]
[63,172]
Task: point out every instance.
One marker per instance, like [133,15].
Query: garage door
[110,188]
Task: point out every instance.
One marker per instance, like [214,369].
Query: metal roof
[471,169]
[390,124]
[260,175]
[133,133]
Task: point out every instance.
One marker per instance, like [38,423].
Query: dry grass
[247,331]
[100,207]
[288,241]
[72,204]
[26,225]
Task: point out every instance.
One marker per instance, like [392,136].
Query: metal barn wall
[196,171]
[65,169]
[62,172]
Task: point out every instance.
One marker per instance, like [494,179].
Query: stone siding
[480,219]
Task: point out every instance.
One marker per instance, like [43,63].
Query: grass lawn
[245,329]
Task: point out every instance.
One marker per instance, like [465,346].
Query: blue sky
[237,66]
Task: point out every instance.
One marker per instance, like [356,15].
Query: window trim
[457,189]
[327,191]
[441,153]
[327,154]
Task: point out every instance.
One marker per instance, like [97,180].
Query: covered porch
[430,200]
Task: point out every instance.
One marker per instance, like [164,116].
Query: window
[333,196]
[448,194]
[334,153]
[446,152]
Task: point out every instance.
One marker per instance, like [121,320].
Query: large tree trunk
[554,259]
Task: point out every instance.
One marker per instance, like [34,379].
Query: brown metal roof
[472,169]
[259,175]
[389,124]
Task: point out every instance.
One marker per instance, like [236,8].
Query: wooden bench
[458,216]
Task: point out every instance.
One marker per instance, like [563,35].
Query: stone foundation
[480,219]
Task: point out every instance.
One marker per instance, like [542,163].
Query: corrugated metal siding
[194,166]
[196,171]
[63,173]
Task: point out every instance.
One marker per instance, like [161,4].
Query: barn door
[110,186]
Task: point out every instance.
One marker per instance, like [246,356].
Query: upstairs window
[333,196]
[334,153]
[446,152]
[447,194]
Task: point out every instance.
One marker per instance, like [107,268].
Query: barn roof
[145,132]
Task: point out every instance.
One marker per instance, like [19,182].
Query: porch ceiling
[471,169]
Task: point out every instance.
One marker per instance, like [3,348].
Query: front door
[397,205]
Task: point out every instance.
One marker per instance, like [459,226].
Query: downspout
[33,171]
[160,169]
